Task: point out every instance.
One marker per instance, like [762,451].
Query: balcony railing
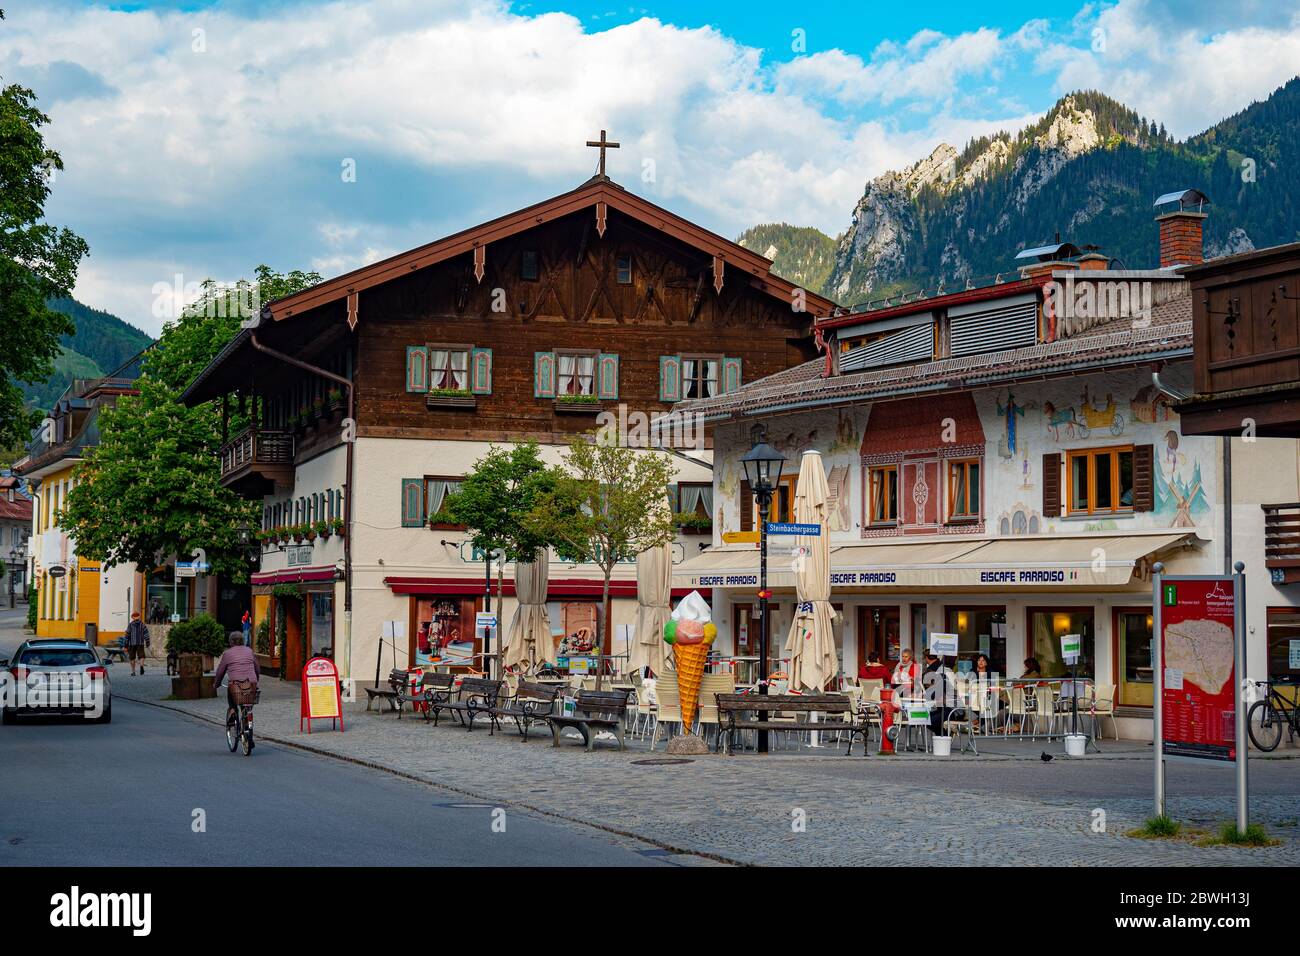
[253,448]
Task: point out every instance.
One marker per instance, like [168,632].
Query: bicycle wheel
[232,731]
[248,734]
[1269,734]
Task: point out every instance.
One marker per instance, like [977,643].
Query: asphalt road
[129,794]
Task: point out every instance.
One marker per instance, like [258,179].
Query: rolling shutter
[1144,489]
[909,345]
[983,327]
[480,371]
[543,374]
[417,368]
[746,506]
[670,378]
[412,502]
[1052,485]
[607,376]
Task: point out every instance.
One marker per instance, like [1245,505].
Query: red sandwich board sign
[322,696]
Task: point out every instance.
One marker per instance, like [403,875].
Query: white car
[50,676]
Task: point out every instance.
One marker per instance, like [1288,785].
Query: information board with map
[1197,696]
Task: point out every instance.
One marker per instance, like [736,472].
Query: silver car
[50,676]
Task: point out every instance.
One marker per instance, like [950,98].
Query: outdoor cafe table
[1030,685]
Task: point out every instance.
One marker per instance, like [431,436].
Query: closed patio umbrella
[529,641]
[811,647]
[654,588]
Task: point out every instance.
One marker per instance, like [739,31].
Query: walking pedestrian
[137,639]
[246,622]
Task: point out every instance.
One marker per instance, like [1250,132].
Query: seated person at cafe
[904,677]
[1031,668]
[873,670]
[941,694]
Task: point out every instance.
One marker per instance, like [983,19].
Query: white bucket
[942,746]
[1075,744]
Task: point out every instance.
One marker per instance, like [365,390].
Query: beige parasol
[811,647]
[654,588]
[529,641]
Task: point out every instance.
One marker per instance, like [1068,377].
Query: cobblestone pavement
[810,810]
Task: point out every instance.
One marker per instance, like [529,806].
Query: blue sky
[202,139]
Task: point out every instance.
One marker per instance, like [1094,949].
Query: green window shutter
[543,374]
[730,374]
[607,377]
[412,502]
[480,376]
[670,378]
[417,368]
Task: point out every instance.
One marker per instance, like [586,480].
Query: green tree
[608,505]
[38,261]
[152,488]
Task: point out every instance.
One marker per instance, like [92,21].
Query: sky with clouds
[204,138]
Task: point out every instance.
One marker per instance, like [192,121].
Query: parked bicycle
[1268,716]
[239,719]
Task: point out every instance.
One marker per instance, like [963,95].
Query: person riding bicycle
[237,663]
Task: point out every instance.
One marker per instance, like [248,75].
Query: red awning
[295,575]
[556,588]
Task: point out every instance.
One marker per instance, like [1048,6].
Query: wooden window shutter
[480,371]
[412,502]
[607,376]
[1144,486]
[417,368]
[1052,485]
[543,375]
[746,506]
[730,374]
[670,378]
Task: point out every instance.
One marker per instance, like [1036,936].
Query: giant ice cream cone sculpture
[691,633]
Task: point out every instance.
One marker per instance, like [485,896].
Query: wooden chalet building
[522,328]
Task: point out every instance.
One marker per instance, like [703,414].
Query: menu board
[321,693]
[1197,697]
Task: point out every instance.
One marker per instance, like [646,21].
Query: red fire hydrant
[886,719]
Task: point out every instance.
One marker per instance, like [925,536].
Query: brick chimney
[1180,238]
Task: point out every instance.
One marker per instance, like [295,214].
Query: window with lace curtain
[436,490]
[694,506]
[575,373]
[448,369]
[700,375]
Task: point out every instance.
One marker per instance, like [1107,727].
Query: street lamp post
[762,464]
[15,562]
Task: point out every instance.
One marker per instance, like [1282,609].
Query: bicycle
[239,719]
[1273,712]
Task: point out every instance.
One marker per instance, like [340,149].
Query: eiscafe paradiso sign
[952,576]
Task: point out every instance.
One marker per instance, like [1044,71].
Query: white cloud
[210,162]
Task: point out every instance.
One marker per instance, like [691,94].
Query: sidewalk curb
[415,778]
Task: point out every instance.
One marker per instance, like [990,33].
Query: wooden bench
[732,709]
[595,711]
[115,650]
[531,704]
[398,684]
[476,695]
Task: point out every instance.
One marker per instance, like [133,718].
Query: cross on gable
[603,144]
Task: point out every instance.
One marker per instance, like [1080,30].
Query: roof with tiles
[1117,342]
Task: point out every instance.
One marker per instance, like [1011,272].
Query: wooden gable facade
[528,335]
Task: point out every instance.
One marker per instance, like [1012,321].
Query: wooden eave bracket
[480,262]
[602,215]
[718,265]
[353,298]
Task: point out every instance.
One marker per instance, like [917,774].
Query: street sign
[943,645]
[787,527]
[740,537]
[191,569]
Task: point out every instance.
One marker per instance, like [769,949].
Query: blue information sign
[783,527]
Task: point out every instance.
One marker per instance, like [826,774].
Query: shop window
[1283,643]
[1133,656]
[1100,480]
[963,490]
[322,625]
[1047,625]
[883,488]
[980,629]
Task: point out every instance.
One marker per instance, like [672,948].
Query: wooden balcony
[1282,541]
[1246,345]
[254,461]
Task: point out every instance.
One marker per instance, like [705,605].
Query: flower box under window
[450,398]
[578,404]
